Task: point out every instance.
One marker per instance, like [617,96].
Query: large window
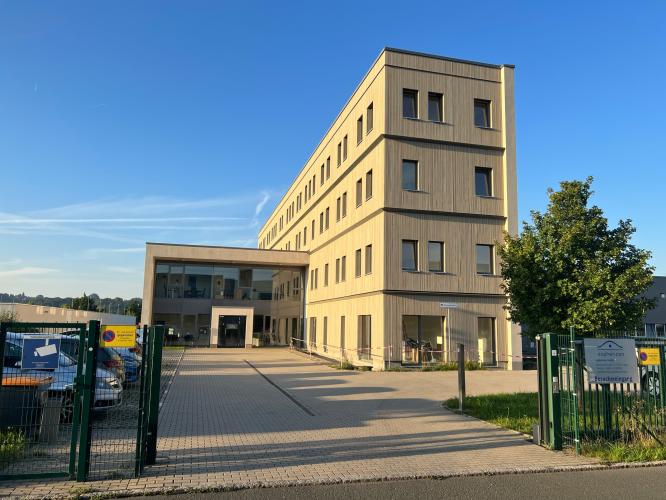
[357,263]
[487,349]
[483,181]
[368,259]
[410,175]
[423,339]
[435,107]
[482,113]
[364,337]
[484,259]
[435,256]
[410,255]
[410,107]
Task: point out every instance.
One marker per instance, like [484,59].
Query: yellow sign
[117,336]
[648,356]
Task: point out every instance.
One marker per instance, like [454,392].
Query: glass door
[231,331]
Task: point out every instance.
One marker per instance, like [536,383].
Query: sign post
[448,306]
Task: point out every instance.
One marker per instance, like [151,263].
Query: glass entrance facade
[423,339]
[185,293]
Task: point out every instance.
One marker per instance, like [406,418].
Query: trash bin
[21,402]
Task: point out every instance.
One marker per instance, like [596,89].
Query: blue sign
[40,352]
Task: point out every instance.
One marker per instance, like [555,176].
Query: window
[328,168]
[316,281]
[321,222]
[344,204]
[368,259]
[321,175]
[343,268]
[314,186]
[368,185]
[410,105]
[337,209]
[339,153]
[357,262]
[326,218]
[324,337]
[305,235]
[482,113]
[326,274]
[337,270]
[359,192]
[484,259]
[311,279]
[312,230]
[410,180]
[483,181]
[435,107]
[342,335]
[359,130]
[369,119]
[410,255]
[344,148]
[364,337]
[435,256]
[486,342]
[313,332]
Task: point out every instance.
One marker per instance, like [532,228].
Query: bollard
[461,376]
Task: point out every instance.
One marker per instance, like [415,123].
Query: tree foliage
[85,303]
[569,269]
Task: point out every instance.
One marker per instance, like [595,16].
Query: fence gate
[572,410]
[71,408]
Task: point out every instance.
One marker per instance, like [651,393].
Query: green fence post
[140,430]
[553,387]
[76,410]
[88,399]
[157,341]
[577,388]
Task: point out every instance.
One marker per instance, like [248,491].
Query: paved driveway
[237,418]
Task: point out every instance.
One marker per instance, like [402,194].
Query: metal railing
[361,355]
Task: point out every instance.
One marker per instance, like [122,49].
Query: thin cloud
[260,206]
[29,271]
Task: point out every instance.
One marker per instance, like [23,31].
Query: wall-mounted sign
[611,361]
[117,336]
[40,352]
[648,356]
[448,305]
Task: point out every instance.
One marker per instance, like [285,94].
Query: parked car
[108,389]
[132,362]
[107,359]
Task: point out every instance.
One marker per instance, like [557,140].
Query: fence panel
[39,399]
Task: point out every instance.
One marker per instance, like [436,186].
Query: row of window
[364,339]
[483,178]
[410,108]
[310,188]
[485,257]
[341,268]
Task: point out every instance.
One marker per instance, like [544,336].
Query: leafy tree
[568,268]
[9,317]
[134,309]
[85,303]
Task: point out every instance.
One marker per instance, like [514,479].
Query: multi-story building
[399,210]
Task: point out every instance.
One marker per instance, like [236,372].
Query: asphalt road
[636,483]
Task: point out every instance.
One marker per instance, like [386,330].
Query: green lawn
[518,411]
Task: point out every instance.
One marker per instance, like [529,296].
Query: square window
[410,103]
[435,256]
[482,113]
[483,181]
[484,259]
[409,175]
[409,255]
[435,107]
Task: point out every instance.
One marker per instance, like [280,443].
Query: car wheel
[652,384]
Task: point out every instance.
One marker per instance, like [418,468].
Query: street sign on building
[40,352]
[611,361]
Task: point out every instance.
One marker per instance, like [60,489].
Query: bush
[12,443]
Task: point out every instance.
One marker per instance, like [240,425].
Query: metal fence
[572,409]
[69,407]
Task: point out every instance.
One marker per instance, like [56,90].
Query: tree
[8,316]
[85,303]
[569,269]
[134,309]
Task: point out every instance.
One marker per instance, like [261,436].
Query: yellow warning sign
[117,336]
[648,356]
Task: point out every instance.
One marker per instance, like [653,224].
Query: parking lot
[239,418]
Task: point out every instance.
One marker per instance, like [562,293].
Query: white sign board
[448,305]
[611,361]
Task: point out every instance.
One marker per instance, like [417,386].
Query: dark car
[107,359]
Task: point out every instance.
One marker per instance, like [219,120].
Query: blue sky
[127,122]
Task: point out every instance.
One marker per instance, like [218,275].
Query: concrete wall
[45,314]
